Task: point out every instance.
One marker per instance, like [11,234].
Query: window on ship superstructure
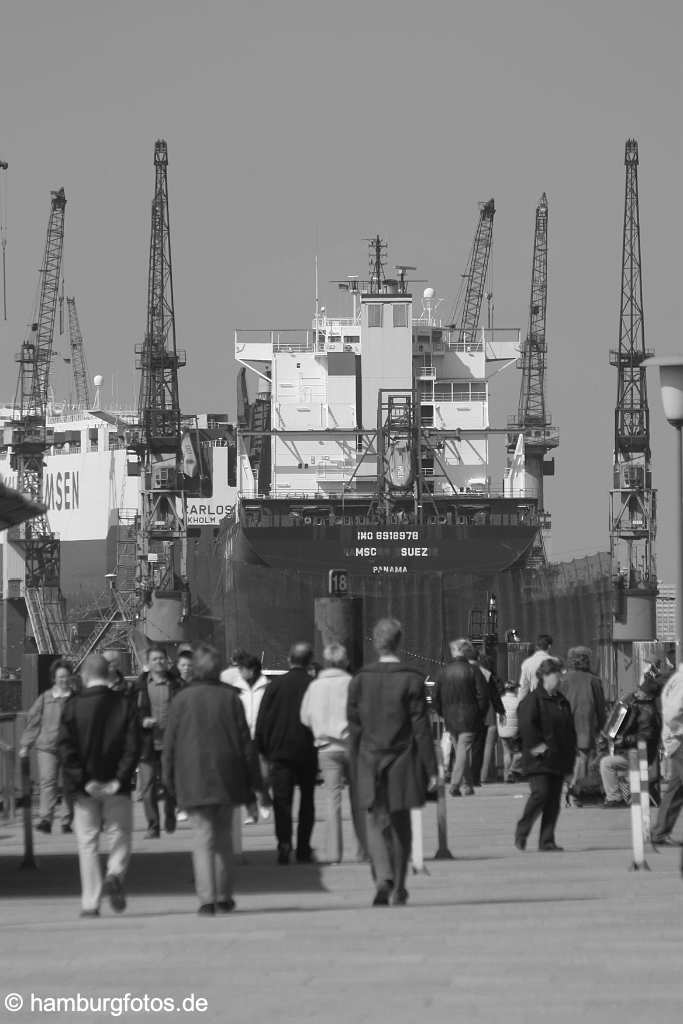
[375,314]
[400,314]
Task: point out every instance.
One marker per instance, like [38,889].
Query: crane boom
[532,408]
[30,433]
[475,275]
[78,362]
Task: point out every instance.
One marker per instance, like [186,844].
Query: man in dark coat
[210,766]
[546,728]
[154,691]
[462,699]
[98,746]
[392,745]
[288,746]
[584,692]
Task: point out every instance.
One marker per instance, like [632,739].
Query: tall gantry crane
[475,274]
[533,419]
[632,499]
[30,436]
[79,366]
[162,585]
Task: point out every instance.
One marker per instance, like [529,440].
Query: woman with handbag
[546,727]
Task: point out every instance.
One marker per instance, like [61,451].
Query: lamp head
[671,386]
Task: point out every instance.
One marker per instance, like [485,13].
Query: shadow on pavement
[153,874]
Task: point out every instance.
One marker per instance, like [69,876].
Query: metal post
[679,523]
[29,860]
[417,848]
[639,863]
[442,853]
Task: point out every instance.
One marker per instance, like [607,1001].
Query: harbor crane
[30,442]
[533,418]
[632,498]
[79,365]
[475,274]
[163,596]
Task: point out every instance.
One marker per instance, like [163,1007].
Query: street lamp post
[671,386]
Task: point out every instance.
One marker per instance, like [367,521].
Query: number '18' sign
[338,583]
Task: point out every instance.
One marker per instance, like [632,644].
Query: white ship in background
[91,487]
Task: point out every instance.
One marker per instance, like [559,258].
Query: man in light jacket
[672,740]
[210,766]
[323,710]
[527,672]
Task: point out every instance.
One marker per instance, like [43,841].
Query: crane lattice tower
[162,585]
[533,419]
[632,499]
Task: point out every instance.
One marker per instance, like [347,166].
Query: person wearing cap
[508,731]
[642,722]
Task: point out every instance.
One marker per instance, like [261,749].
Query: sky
[303,127]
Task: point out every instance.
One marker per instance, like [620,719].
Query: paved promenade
[494,935]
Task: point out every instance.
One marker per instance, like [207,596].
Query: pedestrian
[546,727]
[672,741]
[41,731]
[287,745]
[117,680]
[508,731]
[183,666]
[527,673]
[462,699]
[251,684]
[484,747]
[155,690]
[584,692]
[392,745]
[324,712]
[210,766]
[642,723]
[99,744]
[231,675]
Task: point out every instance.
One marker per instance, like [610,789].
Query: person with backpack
[640,720]
[41,732]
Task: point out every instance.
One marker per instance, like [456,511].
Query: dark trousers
[389,835]
[544,800]
[478,746]
[284,776]
[151,785]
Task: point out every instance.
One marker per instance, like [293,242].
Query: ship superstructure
[374,423]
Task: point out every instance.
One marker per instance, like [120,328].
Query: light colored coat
[323,708]
[672,714]
[527,673]
[510,729]
[251,697]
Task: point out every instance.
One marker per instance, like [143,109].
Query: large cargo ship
[363,444]
[91,485]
